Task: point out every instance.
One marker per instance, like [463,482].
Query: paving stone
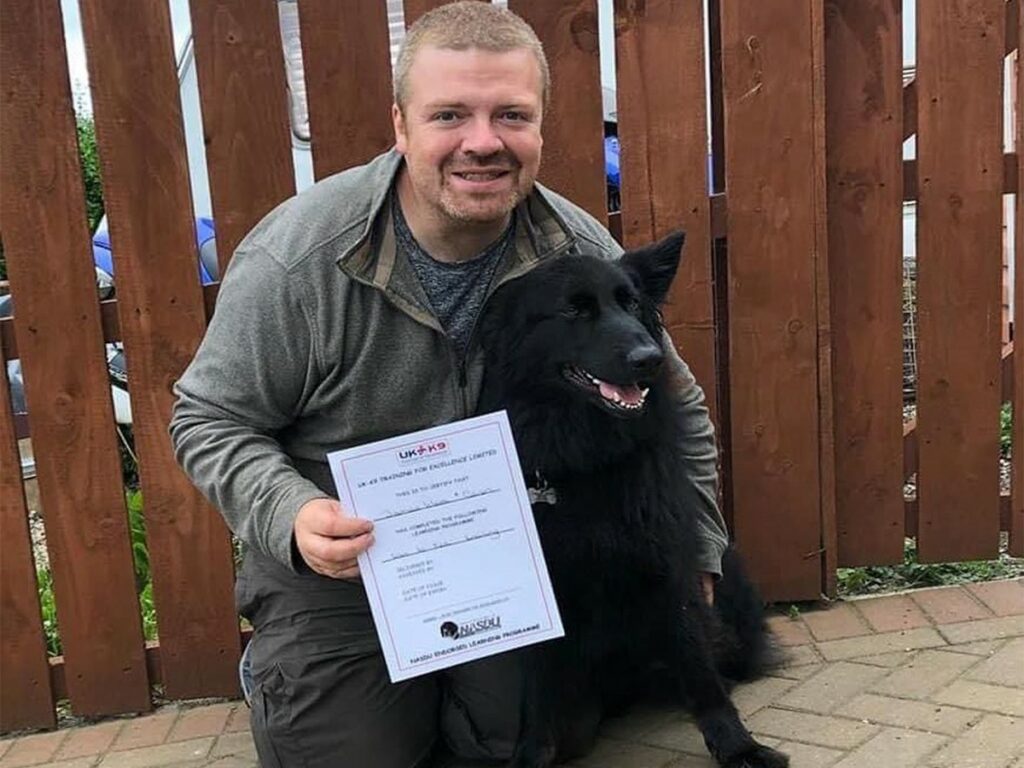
[239,719]
[893,747]
[949,605]
[788,632]
[201,721]
[991,698]
[78,762]
[815,729]
[888,660]
[838,621]
[5,744]
[990,629]
[920,715]
[30,750]
[233,761]
[887,642]
[146,731]
[690,761]
[928,672]
[609,753]
[797,673]
[679,734]
[891,613]
[89,740]
[1003,598]
[980,648]
[834,685]
[809,755]
[192,751]
[992,743]
[753,696]
[1006,667]
[799,656]
[239,744]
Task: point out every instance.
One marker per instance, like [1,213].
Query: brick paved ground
[929,678]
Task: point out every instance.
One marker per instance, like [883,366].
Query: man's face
[470,133]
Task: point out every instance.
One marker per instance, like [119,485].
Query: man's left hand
[707,587]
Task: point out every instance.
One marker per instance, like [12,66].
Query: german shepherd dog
[575,351]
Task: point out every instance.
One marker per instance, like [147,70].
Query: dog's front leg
[727,739]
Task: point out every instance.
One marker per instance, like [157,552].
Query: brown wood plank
[573,162]
[959,150]
[826,399]
[1016,521]
[664,160]
[347,60]
[865,242]
[717,104]
[26,696]
[148,202]
[49,259]
[773,175]
[413,9]
[243,93]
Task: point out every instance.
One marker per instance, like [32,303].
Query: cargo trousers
[320,695]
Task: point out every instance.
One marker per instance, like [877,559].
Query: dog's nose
[645,359]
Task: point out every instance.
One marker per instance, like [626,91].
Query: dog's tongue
[630,395]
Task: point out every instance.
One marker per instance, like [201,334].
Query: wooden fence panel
[573,163]
[26,696]
[1017,481]
[346,55]
[775,183]
[960,182]
[660,66]
[865,224]
[415,8]
[160,308]
[60,344]
[244,98]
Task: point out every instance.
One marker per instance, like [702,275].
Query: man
[347,316]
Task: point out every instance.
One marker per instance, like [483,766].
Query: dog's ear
[655,265]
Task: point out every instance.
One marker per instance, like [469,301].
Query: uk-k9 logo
[423,451]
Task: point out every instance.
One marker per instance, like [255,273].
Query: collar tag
[541,492]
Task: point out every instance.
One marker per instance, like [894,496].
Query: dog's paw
[758,756]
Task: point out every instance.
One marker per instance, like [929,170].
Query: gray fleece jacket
[323,339]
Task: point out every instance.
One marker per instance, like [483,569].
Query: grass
[912,574]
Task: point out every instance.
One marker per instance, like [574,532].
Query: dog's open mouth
[620,398]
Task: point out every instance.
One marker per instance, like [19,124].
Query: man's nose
[481,138]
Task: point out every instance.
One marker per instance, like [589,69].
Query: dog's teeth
[643,392]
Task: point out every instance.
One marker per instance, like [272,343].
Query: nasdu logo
[455,631]
[422,451]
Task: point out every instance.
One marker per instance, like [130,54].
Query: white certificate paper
[456,571]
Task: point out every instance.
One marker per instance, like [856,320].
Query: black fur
[620,539]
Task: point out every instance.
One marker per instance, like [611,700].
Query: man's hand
[707,586]
[329,541]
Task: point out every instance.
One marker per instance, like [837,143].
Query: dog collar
[540,492]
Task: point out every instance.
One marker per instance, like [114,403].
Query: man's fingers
[341,550]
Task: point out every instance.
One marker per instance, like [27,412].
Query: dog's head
[583,329]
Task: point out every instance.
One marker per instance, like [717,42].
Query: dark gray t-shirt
[456,290]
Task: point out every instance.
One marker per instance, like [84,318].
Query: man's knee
[481,707]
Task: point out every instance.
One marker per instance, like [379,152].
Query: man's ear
[655,265]
[398,121]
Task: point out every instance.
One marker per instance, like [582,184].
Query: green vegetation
[911,574]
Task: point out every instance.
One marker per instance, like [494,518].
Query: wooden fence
[788,306]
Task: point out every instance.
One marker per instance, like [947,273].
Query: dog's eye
[579,306]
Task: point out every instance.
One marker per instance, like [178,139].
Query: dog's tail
[747,651]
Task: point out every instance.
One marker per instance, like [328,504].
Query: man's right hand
[329,541]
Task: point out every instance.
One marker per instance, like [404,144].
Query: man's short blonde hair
[464,25]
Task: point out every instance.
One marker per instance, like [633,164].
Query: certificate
[456,571]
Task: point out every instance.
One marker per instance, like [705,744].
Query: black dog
[575,353]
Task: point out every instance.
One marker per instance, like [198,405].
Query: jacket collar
[541,231]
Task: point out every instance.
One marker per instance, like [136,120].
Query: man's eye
[446,116]
[513,117]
